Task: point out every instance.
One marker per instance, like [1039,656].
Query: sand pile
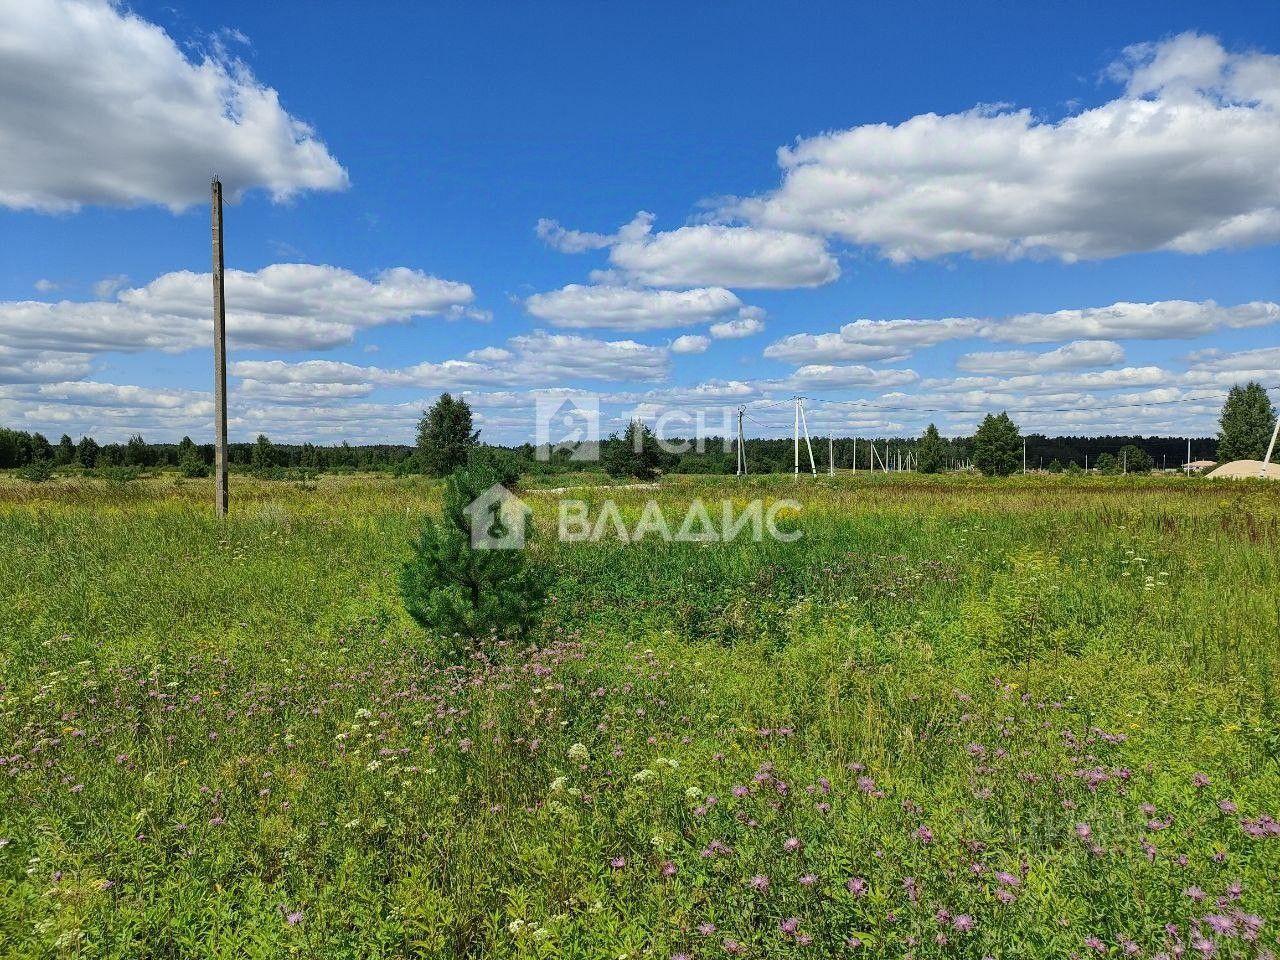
[1246,469]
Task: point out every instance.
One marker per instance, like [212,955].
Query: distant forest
[22,449]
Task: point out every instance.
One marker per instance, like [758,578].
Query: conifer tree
[1248,418]
[997,446]
[452,586]
[931,455]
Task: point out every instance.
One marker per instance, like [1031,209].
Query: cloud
[736,329]
[871,340]
[690,343]
[729,256]
[1161,320]
[579,241]
[45,286]
[102,107]
[896,339]
[538,358]
[1073,356]
[39,366]
[108,286]
[1262,358]
[285,306]
[490,355]
[628,308]
[1021,385]
[95,394]
[842,377]
[704,255]
[1187,158]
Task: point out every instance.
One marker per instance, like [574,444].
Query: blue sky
[440,135]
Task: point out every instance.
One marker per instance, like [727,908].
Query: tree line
[447,439]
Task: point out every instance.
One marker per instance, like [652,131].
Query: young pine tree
[451,586]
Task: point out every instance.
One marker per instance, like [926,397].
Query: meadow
[1030,717]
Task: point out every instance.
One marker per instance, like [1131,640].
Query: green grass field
[959,718]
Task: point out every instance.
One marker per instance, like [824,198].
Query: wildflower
[1204,946]
[1221,924]
[759,883]
[807,879]
[790,925]
[1093,943]
[617,863]
[857,886]
[924,834]
[1200,780]
[706,929]
[1084,831]
[1194,893]
[792,844]
[578,753]
[293,917]
[668,869]
[740,791]
[962,922]
[734,948]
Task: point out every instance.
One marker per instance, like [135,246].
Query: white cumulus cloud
[690,343]
[103,107]
[736,329]
[537,359]
[1161,320]
[871,340]
[1185,158]
[629,308]
[286,306]
[702,255]
[1077,355]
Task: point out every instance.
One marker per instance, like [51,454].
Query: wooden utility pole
[219,359]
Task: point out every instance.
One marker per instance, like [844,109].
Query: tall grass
[1031,717]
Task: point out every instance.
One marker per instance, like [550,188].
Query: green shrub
[37,471]
[116,474]
[453,587]
[503,464]
[192,466]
